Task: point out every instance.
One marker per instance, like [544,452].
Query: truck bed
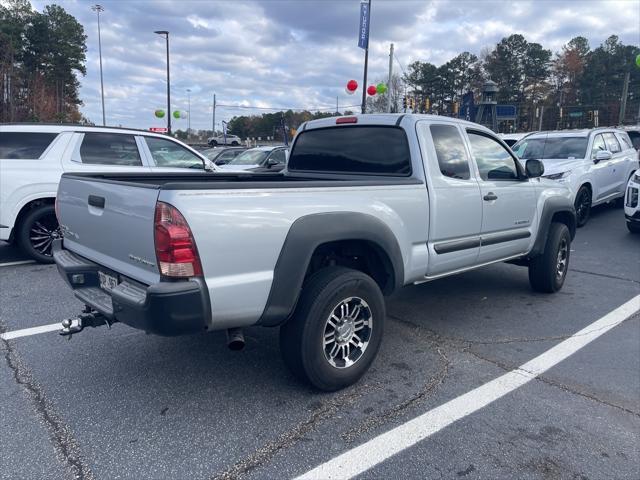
[224,181]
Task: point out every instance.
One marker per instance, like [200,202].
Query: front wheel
[37,232]
[548,271]
[336,330]
[234,143]
[213,143]
[583,206]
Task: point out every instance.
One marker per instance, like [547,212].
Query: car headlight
[636,177]
[559,176]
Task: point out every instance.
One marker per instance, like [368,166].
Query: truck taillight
[176,250]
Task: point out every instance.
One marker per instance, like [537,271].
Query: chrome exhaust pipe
[235,339]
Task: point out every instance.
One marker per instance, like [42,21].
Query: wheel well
[568,219]
[362,255]
[28,208]
[588,185]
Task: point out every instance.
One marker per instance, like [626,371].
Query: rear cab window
[450,151]
[358,150]
[612,142]
[24,145]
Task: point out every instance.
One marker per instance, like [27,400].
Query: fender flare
[553,206]
[304,236]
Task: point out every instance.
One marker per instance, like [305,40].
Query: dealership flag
[363,32]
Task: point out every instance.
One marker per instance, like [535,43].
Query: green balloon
[381,88]
[638,60]
[159,113]
[176,114]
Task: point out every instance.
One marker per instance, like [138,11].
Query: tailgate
[110,223]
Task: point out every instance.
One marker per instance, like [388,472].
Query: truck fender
[304,236]
[554,209]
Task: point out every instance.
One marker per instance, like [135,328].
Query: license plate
[107,282]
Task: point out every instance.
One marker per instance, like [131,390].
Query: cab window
[598,146]
[612,142]
[494,161]
[450,151]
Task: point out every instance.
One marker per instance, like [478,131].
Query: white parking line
[369,454]
[25,332]
[18,262]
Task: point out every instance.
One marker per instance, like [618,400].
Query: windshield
[551,148]
[250,157]
[212,153]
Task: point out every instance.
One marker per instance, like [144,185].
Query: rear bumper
[165,308]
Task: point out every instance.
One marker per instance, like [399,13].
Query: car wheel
[633,227]
[234,143]
[336,329]
[213,143]
[548,271]
[37,232]
[583,206]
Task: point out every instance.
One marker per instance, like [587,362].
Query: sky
[299,54]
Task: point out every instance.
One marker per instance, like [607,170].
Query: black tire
[234,143]
[213,143]
[36,233]
[548,271]
[633,227]
[303,339]
[583,206]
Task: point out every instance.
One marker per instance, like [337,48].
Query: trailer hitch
[88,318]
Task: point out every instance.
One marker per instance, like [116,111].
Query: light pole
[166,36]
[98,9]
[189,113]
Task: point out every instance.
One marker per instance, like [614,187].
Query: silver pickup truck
[368,204]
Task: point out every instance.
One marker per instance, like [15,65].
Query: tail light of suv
[176,250]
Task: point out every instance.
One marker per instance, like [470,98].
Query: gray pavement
[121,404]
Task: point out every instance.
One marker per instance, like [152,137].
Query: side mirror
[534,168]
[602,155]
[272,162]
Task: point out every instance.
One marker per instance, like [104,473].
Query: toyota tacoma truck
[366,205]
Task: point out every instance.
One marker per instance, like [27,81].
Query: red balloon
[352,85]
[371,90]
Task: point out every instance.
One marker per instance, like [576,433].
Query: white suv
[596,164]
[224,140]
[632,203]
[33,157]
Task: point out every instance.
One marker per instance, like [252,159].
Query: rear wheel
[583,206]
[37,232]
[633,227]
[234,143]
[336,330]
[548,271]
[213,143]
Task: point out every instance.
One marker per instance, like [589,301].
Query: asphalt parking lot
[121,404]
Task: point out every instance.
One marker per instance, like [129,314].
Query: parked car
[224,140]
[632,203]
[511,138]
[222,155]
[267,159]
[32,158]
[634,135]
[596,164]
[367,204]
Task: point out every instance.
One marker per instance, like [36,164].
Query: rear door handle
[490,196]
[96,201]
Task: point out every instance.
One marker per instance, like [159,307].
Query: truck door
[508,200]
[455,211]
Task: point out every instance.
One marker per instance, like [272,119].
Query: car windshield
[212,153]
[551,148]
[250,157]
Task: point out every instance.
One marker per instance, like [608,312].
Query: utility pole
[98,9]
[166,35]
[337,109]
[213,117]
[366,52]
[625,94]
[389,81]
[540,119]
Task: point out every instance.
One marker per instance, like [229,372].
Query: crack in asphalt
[64,443]
[605,275]
[464,346]
[265,453]
[425,392]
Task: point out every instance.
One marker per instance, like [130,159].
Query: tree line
[41,55]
